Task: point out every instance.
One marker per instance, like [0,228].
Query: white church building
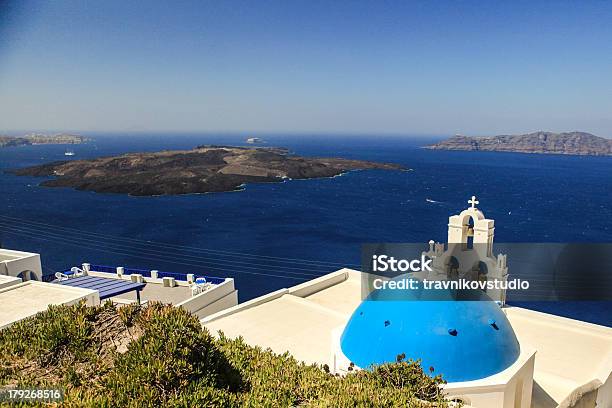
[492,355]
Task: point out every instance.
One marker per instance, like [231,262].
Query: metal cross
[473,202]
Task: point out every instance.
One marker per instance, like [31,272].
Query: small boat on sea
[69,153]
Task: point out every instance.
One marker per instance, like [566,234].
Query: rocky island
[201,170]
[577,143]
[39,138]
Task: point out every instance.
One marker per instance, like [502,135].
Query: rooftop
[166,287]
[298,320]
[28,298]
[303,320]
[94,283]
[570,353]
[158,293]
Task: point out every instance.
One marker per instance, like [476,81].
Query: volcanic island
[205,169]
[573,143]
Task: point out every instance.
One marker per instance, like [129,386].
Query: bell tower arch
[471,230]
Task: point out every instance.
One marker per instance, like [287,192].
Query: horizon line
[22,132]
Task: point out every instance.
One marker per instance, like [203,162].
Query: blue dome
[461,339]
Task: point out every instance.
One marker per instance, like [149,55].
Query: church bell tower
[469,253]
[472,230]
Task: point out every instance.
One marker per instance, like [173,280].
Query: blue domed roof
[461,339]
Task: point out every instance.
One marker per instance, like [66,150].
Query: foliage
[161,356]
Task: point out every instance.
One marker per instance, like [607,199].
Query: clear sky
[427,67]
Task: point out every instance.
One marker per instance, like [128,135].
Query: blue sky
[307,66]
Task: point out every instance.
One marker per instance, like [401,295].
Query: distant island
[201,170]
[40,138]
[577,143]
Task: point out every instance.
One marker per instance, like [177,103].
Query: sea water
[271,236]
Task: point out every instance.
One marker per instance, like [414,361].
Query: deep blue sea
[271,236]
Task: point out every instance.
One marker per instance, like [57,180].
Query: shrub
[161,356]
[173,355]
[53,335]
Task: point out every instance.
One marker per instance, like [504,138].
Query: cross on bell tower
[473,201]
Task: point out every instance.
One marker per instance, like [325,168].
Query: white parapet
[6,281]
[168,282]
[511,388]
[215,299]
[25,265]
[136,278]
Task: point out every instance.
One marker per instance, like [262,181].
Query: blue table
[106,287]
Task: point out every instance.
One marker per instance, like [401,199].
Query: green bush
[161,356]
[173,354]
[52,335]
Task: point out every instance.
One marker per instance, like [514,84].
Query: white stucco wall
[213,300]
[512,388]
[14,263]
